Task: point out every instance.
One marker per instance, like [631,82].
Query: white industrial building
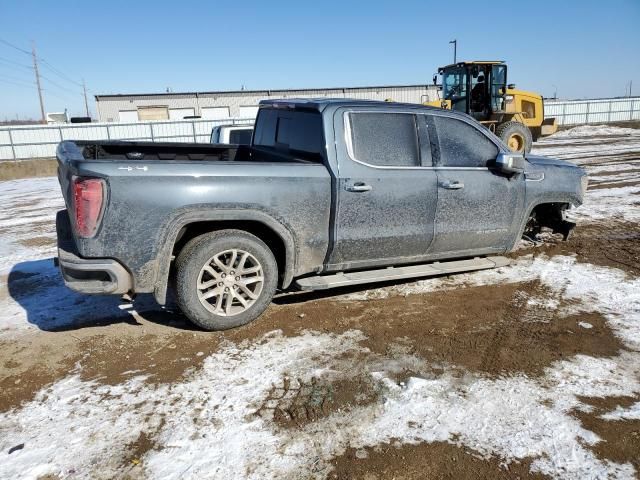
[238,103]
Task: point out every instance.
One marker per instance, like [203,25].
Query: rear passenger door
[386,189]
[477,205]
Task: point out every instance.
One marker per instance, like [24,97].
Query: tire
[516,136]
[205,284]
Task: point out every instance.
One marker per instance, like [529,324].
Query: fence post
[564,109]
[193,125]
[13,148]
[633,100]
[108,134]
[609,113]
[151,131]
[586,117]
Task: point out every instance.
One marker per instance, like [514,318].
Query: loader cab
[475,88]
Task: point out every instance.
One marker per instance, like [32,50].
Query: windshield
[454,87]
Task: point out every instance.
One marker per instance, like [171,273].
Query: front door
[477,206]
[386,189]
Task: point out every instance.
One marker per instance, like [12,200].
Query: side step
[342,279]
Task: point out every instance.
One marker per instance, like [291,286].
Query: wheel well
[260,230]
[549,215]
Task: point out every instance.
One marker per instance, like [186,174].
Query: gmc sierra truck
[329,193]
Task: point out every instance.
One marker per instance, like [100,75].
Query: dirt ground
[493,331]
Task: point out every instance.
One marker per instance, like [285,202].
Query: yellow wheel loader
[480,89]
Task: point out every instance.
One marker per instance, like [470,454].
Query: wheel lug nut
[231,272]
[226,289]
[220,284]
[237,279]
[223,275]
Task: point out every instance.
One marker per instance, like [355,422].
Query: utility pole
[86,103]
[35,69]
[455,48]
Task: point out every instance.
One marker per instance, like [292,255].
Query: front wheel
[225,279]
[516,135]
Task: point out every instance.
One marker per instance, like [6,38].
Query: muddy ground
[495,331]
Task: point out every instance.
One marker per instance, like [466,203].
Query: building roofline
[249,92]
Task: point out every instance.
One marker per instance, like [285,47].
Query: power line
[60,86]
[15,79]
[16,83]
[2,59]
[13,46]
[58,72]
[43,62]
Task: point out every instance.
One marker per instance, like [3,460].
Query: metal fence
[40,141]
[601,110]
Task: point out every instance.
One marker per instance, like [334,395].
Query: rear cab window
[293,132]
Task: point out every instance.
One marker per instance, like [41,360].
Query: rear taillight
[88,197]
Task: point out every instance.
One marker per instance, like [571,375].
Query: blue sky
[579,48]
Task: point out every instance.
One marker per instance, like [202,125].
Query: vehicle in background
[232,134]
[480,89]
[330,193]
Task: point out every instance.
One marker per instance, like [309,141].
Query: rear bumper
[87,275]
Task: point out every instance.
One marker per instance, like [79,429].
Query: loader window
[454,88]
[498,84]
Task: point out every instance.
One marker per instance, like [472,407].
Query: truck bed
[179,151]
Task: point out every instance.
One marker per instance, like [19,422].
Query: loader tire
[516,135]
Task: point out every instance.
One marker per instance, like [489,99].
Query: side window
[462,145]
[384,139]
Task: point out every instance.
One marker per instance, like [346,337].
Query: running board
[342,279]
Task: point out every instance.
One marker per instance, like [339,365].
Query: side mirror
[435,79]
[510,163]
[511,86]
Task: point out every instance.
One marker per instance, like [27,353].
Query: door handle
[358,187]
[455,185]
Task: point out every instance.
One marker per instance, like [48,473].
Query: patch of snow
[586,325]
[595,131]
[631,413]
[28,210]
[604,204]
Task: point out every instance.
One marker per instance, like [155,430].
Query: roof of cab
[320,104]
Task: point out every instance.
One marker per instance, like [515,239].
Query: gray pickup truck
[329,193]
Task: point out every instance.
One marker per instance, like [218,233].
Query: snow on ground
[27,219]
[590,131]
[620,413]
[213,410]
[589,143]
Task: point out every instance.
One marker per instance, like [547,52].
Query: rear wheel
[516,135]
[225,279]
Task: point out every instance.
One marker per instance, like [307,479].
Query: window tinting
[290,131]
[385,139]
[240,137]
[462,145]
